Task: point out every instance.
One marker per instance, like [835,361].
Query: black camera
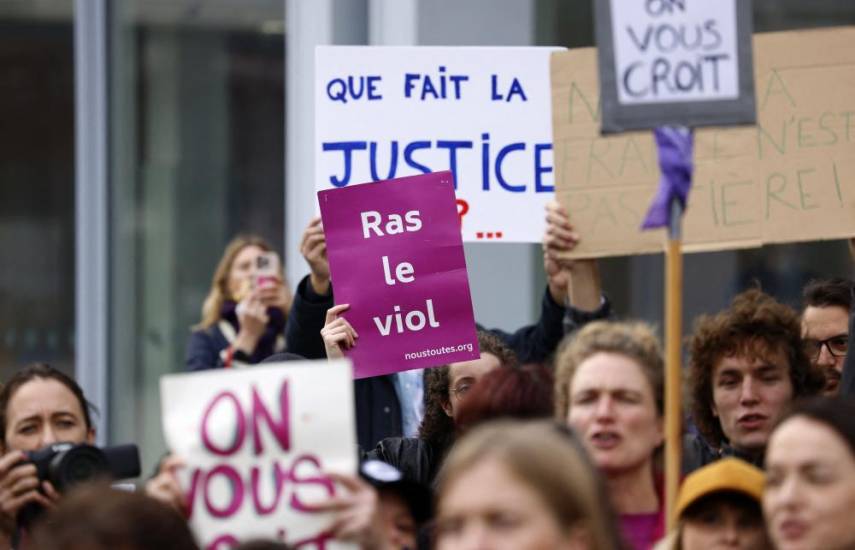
[67,464]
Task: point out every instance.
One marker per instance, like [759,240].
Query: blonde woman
[522,486]
[608,387]
[243,316]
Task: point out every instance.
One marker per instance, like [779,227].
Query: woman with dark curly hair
[747,364]
[418,458]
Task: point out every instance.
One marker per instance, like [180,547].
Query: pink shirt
[642,531]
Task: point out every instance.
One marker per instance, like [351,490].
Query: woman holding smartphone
[243,316]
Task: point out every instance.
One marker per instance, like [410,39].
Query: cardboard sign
[789,178]
[396,257]
[678,62]
[257,443]
[482,113]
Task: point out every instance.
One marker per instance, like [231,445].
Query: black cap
[383,476]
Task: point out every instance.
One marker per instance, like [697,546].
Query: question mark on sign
[462,209]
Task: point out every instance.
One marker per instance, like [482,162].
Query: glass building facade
[139,136]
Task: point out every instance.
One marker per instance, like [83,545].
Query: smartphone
[266,269]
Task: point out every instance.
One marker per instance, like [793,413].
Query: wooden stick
[673,370]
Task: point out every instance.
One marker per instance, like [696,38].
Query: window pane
[36,185]
[197,149]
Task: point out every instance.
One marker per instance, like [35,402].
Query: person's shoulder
[395,445]
[400,450]
[414,457]
[211,331]
[205,337]
[283,356]
[696,452]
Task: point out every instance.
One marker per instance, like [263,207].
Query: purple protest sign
[396,256]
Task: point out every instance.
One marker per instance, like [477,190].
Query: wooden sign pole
[673,357]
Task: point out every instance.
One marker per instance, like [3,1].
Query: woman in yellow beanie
[719,507]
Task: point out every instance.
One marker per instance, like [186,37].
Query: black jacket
[205,346]
[531,343]
[535,343]
[203,349]
[697,453]
[415,458]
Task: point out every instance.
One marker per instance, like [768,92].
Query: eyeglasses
[837,346]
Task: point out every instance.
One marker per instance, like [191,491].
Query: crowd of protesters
[552,439]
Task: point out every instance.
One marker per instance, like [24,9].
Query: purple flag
[675,162]
[396,256]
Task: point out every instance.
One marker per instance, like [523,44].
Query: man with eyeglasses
[825,327]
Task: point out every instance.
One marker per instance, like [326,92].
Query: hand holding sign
[337,332]
[357,513]
[397,257]
[313,247]
[165,486]
[559,238]
[575,280]
[560,235]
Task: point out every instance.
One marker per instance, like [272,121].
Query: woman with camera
[243,316]
[39,406]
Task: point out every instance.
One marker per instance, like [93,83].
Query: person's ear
[90,436]
[660,431]
[446,407]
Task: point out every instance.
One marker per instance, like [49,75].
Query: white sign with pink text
[257,444]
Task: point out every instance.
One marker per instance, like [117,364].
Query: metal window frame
[91,205]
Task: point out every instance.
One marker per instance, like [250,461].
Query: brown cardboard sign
[789,178]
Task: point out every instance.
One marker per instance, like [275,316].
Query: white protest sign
[677,62]
[257,443]
[483,113]
[667,51]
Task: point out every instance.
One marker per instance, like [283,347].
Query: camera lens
[81,469]
[79,464]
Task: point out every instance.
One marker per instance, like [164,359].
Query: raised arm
[573,296]
[586,301]
[313,297]
[581,278]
